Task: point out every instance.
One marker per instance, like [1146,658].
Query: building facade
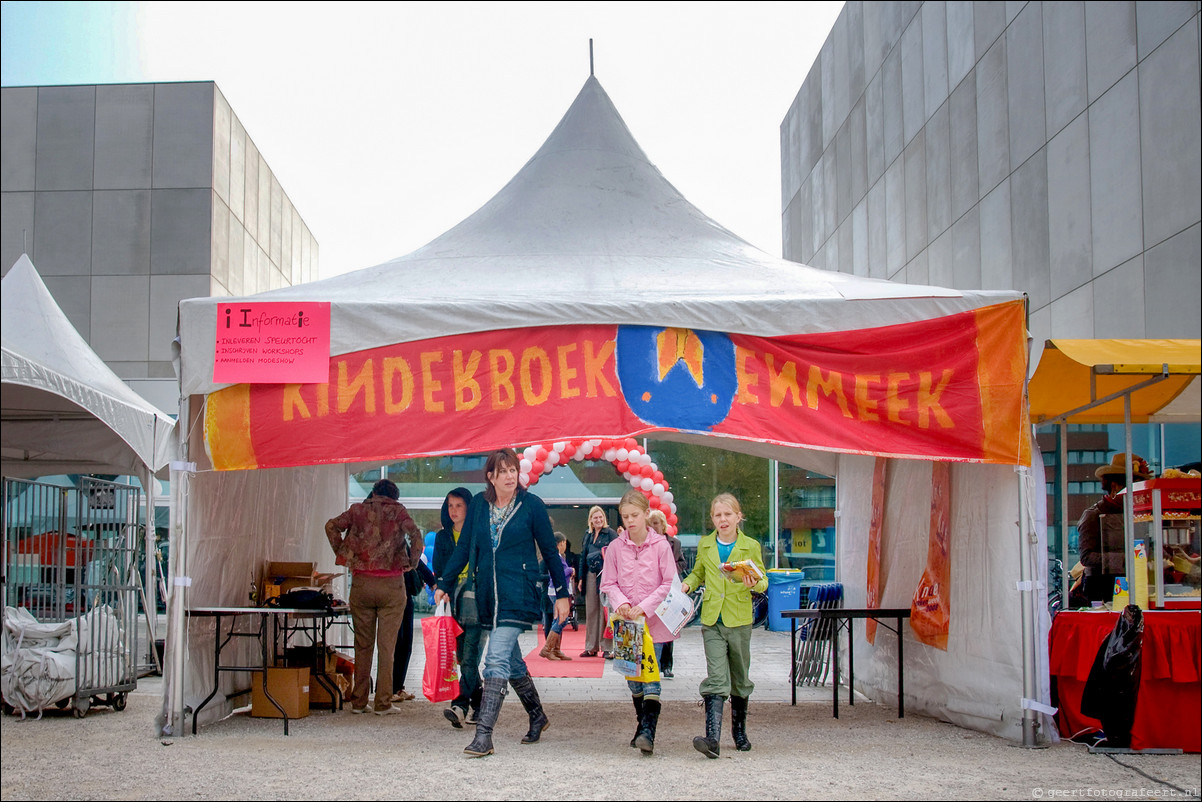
[131,197]
[1049,148]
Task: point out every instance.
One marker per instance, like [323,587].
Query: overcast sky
[387,124]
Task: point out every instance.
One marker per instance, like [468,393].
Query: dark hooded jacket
[444,541]
[508,580]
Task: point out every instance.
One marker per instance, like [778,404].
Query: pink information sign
[272,343]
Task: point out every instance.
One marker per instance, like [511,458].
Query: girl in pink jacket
[639,569]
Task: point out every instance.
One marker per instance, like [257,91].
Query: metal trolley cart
[71,589]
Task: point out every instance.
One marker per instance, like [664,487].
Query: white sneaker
[358,710]
[386,711]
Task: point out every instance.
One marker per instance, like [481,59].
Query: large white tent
[64,410]
[590,232]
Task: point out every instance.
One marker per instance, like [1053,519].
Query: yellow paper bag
[649,665]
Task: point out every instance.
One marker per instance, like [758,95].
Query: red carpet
[572,645]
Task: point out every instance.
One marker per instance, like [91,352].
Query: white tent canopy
[64,410]
[590,232]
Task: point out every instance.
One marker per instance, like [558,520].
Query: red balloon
[654,502]
[645,470]
[672,531]
[673,519]
[540,454]
[623,465]
[569,451]
[536,468]
[630,443]
[658,478]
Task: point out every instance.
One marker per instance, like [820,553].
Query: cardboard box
[279,577]
[319,697]
[288,686]
[312,657]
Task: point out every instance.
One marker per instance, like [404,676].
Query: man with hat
[1104,559]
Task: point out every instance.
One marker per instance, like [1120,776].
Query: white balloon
[636,481]
[658,489]
[529,453]
[634,454]
[524,478]
[667,497]
[579,455]
[525,465]
[645,459]
[622,454]
[553,458]
[548,466]
[608,456]
[646,483]
[673,509]
[559,446]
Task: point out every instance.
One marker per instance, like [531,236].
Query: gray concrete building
[1051,148]
[130,197]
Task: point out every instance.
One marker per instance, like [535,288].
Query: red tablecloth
[1168,711]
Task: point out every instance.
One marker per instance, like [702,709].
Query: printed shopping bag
[628,646]
[648,665]
[440,681]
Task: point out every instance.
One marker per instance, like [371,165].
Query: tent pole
[150,586]
[1128,506]
[1026,544]
[774,510]
[1063,471]
[177,622]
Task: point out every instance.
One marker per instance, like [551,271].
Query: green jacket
[731,600]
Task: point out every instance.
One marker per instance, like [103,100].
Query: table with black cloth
[1168,710]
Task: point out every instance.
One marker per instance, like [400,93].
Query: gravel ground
[799,752]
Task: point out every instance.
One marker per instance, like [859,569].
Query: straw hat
[1118,465]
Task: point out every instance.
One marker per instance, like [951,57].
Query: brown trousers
[377,609]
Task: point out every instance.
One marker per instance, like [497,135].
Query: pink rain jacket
[640,576]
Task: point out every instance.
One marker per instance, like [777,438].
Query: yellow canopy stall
[1085,381]
[1114,381]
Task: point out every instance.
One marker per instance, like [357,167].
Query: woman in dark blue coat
[505,530]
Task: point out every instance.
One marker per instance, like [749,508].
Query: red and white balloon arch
[630,462]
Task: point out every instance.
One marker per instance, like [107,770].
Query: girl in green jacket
[726,616]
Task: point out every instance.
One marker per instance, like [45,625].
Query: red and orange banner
[950,388]
[876,522]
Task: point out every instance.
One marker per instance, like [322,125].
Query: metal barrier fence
[71,556]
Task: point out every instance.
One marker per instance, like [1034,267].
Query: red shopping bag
[609,628]
[440,681]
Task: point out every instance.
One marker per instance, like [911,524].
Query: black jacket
[591,559]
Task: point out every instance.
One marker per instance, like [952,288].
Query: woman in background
[588,582]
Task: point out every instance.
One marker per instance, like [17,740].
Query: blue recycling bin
[784,593]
